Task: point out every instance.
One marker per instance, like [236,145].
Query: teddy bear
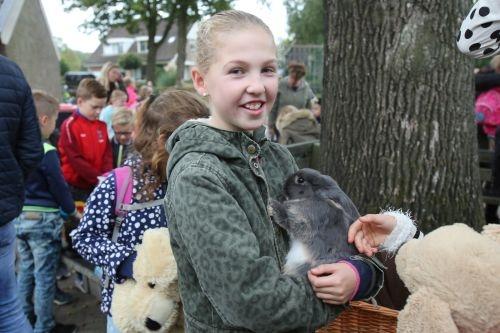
[150,302]
[453,274]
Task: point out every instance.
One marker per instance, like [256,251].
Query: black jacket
[20,140]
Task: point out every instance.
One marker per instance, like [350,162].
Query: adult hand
[333,283]
[370,231]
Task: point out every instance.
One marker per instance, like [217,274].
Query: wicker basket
[363,317]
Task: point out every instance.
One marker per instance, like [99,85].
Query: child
[84,146]
[222,172]
[156,121]
[38,228]
[121,143]
[117,100]
[131,92]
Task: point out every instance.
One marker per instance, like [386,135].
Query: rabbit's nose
[152,325]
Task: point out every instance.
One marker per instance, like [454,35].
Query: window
[142,46]
[113,48]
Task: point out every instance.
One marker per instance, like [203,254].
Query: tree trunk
[151,62]
[181,47]
[398,123]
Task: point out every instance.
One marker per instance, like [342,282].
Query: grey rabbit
[317,214]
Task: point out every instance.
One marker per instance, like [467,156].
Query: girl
[222,172]
[111,78]
[157,119]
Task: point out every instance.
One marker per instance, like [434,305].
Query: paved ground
[83,312]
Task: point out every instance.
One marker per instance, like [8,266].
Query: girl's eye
[236,71]
[269,70]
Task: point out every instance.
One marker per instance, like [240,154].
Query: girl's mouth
[253,106]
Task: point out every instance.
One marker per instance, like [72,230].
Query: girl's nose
[256,85]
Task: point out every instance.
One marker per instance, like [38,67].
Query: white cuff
[404,231]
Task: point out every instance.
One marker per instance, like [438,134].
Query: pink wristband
[358,279]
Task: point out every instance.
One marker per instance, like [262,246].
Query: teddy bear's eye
[151,285]
[300,180]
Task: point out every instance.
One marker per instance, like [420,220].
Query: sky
[65,25]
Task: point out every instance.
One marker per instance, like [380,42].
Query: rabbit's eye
[151,285]
[300,180]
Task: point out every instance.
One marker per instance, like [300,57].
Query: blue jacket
[46,187]
[20,139]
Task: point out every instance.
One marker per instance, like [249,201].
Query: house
[119,41]
[25,38]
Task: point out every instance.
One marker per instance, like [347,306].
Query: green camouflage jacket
[229,253]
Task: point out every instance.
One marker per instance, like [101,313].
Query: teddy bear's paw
[424,312]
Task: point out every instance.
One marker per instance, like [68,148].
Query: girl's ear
[198,81]
[43,119]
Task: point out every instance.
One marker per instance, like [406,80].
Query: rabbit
[316,214]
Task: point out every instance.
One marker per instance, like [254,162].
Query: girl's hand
[370,231]
[333,283]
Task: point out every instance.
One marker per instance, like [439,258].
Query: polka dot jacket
[479,35]
[92,238]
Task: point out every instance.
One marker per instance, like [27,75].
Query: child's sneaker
[62,298]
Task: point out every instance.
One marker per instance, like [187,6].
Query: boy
[84,145]
[123,126]
[117,100]
[20,152]
[38,228]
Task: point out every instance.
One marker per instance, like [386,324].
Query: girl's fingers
[372,218]
[354,229]
[359,243]
[328,297]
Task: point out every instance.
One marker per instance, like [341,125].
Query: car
[73,78]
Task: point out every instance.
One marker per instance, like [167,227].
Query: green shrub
[165,79]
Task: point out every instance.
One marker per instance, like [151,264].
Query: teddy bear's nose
[152,325]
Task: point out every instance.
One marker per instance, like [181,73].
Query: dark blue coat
[20,140]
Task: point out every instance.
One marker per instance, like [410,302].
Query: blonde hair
[117,94]
[106,68]
[45,103]
[225,21]
[89,88]
[158,118]
[144,92]
[123,117]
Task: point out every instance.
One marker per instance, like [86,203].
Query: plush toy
[453,274]
[151,303]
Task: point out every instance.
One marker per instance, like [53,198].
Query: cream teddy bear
[453,274]
[150,302]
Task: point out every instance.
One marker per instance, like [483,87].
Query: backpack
[123,190]
[123,202]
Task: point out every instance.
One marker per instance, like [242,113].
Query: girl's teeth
[253,106]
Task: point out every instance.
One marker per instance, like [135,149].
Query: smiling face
[241,82]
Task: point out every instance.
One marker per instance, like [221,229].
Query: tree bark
[182,22]
[151,61]
[398,125]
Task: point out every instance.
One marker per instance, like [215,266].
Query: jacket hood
[308,120]
[196,136]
